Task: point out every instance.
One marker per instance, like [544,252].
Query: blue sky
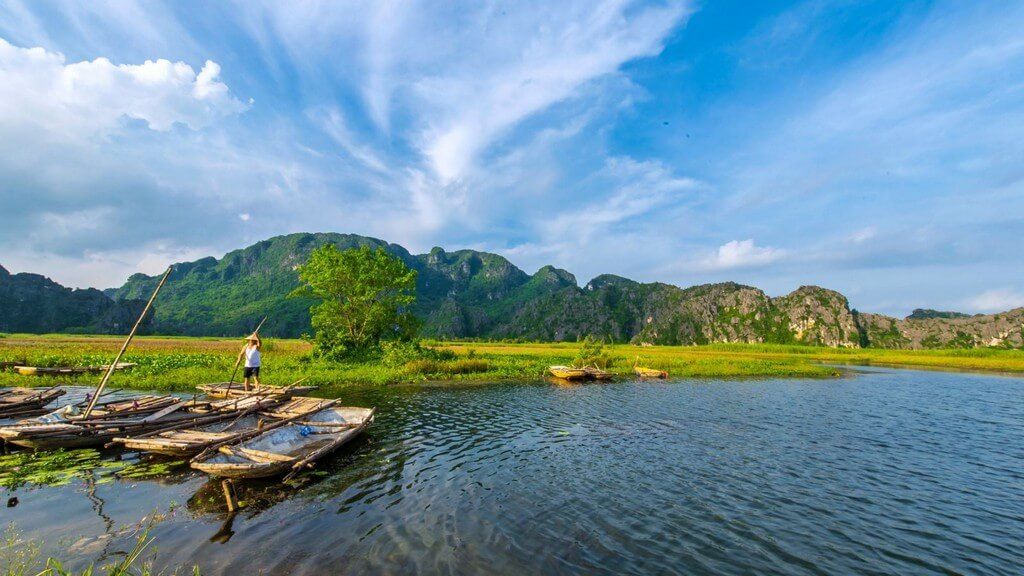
[871,147]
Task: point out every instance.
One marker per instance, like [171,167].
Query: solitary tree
[364,297]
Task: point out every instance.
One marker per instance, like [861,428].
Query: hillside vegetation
[477,295]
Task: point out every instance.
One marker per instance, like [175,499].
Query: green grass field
[171,363]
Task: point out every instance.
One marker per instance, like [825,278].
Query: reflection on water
[889,471]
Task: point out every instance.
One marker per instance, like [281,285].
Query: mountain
[470,294]
[928,314]
[34,303]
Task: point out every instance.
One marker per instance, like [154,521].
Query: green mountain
[470,294]
[34,303]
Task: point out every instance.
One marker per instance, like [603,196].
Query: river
[883,471]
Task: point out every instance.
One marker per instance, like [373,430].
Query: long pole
[239,360]
[124,347]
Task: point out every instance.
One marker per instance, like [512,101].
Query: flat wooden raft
[123,418]
[237,390]
[24,402]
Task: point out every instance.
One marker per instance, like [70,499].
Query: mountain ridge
[471,294]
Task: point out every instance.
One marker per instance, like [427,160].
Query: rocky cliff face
[34,303]
[470,294]
[1004,330]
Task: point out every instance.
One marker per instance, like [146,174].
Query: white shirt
[252,357]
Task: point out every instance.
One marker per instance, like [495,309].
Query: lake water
[885,471]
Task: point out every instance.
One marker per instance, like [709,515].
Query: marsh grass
[20,557]
[179,363]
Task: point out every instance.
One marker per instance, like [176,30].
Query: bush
[592,354]
[397,353]
[432,367]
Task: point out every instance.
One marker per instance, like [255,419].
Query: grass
[179,363]
[20,557]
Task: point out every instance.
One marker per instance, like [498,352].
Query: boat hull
[238,461]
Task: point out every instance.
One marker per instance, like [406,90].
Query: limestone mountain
[34,303]
[471,294]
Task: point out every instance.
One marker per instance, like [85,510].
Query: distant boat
[69,370]
[568,372]
[288,448]
[649,372]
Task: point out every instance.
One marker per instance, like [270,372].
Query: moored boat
[568,372]
[69,370]
[596,373]
[66,428]
[649,372]
[191,440]
[288,448]
[237,390]
[20,402]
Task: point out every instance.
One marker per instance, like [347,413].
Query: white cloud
[38,89]
[474,104]
[742,254]
[462,76]
[333,123]
[244,216]
[996,300]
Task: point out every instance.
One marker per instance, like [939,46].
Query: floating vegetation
[61,467]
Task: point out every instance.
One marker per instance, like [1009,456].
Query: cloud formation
[742,254]
[996,300]
[39,89]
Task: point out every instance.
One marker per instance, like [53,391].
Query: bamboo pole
[239,360]
[124,347]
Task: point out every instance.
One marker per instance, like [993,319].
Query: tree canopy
[364,297]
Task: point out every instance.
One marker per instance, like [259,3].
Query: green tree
[364,297]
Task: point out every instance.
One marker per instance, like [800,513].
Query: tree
[364,297]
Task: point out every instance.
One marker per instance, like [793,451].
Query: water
[887,471]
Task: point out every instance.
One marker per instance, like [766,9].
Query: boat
[67,428]
[237,390]
[23,402]
[7,364]
[596,373]
[649,372]
[568,372]
[69,370]
[191,440]
[289,447]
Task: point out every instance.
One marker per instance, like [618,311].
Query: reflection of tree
[97,504]
[259,495]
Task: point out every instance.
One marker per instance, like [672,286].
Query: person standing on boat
[252,360]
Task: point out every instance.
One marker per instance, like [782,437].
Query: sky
[870,147]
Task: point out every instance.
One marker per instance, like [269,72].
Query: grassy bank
[170,363]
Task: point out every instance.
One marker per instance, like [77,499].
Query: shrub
[397,353]
[592,353]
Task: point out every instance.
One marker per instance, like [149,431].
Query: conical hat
[253,336]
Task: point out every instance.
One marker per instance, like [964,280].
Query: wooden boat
[237,390]
[191,440]
[22,402]
[288,448]
[568,372]
[649,372]
[596,373]
[69,370]
[66,428]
